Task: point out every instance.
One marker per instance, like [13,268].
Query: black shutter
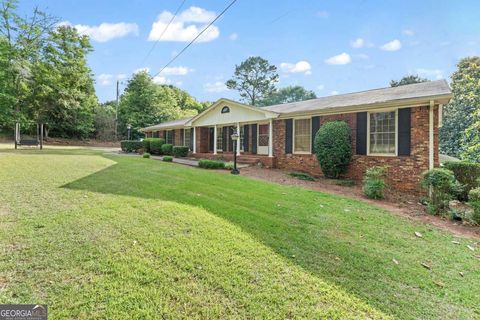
[230,140]
[182,137]
[224,138]
[191,138]
[315,127]
[361,144]
[211,139]
[246,135]
[173,137]
[404,124]
[288,135]
[165,135]
[254,138]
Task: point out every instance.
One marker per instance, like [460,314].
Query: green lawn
[97,236]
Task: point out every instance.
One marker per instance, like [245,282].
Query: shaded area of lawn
[344,241]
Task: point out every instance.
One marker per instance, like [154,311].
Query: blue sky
[329,47]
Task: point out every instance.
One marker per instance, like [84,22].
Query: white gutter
[430,135]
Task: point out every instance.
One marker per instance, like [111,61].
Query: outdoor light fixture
[235,137]
[129,128]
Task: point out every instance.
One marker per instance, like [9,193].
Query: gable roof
[178,123]
[392,95]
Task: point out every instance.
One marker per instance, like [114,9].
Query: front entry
[262,139]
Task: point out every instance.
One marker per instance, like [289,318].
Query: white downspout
[194,140]
[430,135]
[215,139]
[270,139]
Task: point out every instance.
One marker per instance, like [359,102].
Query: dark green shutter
[165,135]
[315,127]
[254,138]
[288,135]
[361,144]
[404,126]
[224,138]
[182,137]
[173,137]
[246,135]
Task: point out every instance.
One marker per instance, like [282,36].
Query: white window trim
[293,136]
[396,134]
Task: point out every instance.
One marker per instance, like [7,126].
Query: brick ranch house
[397,127]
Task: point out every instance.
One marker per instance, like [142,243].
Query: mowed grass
[104,236]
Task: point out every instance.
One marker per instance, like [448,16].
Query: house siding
[403,172]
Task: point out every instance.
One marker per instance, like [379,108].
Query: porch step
[248,160]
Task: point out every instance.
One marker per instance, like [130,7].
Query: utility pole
[116,114]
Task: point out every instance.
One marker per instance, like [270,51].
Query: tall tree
[459,113]
[105,121]
[64,95]
[409,79]
[254,79]
[288,94]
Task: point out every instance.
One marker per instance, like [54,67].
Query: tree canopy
[286,95]
[254,79]
[409,79]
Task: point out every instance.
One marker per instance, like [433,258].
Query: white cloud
[430,73]
[393,45]
[176,71]
[357,43]
[164,80]
[217,86]
[408,32]
[185,27]
[334,93]
[323,14]
[362,56]
[233,36]
[343,58]
[105,79]
[320,87]
[299,67]
[105,31]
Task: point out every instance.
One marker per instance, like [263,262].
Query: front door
[262,139]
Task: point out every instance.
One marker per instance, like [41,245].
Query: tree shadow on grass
[343,241]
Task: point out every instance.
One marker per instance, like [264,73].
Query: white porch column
[215,139]
[238,141]
[270,138]
[194,140]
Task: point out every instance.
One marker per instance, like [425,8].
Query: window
[169,139]
[302,142]
[225,109]
[186,137]
[219,139]
[382,133]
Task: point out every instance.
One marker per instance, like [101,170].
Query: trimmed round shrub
[167,158]
[146,155]
[180,151]
[211,164]
[442,185]
[374,182]
[146,144]
[467,174]
[156,145]
[333,148]
[131,145]
[167,149]
[474,201]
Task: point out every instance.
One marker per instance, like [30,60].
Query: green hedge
[146,155]
[131,145]
[156,145]
[467,174]
[180,151]
[442,184]
[333,147]
[211,164]
[146,144]
[167,158]
[167,149]
[474,196]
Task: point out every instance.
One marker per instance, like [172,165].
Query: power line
[163,32]
[191,42]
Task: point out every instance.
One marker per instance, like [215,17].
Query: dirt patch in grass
[405,205]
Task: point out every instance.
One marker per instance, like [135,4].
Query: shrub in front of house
[333,148]
[374,182]
[167,158]
[467,174]
[442,186]
[302,176]
[146,155]
[474,202]
[211,164]
[131,145]
[180,151]
[229,165]
[146,144]
[156,145]
[167,149]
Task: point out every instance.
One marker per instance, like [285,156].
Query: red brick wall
[177,141]
[403,173]
[202,135]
